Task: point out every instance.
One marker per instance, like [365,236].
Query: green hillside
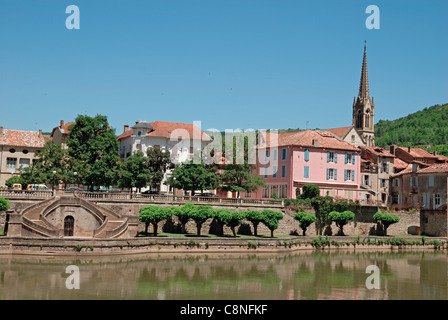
[428,128]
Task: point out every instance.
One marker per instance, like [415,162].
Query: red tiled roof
[378,151]
[340,132]
[400,164]
[66,126]
[165,129]
[17,138]
[418,153]
[435,168]
[311,138]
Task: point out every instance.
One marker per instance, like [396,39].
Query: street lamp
[174,181]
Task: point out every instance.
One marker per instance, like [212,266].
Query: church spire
[364,83]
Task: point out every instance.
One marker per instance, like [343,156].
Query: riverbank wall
[182,245]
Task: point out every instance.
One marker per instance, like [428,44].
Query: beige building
[377,166]
[60,134]
[17,150]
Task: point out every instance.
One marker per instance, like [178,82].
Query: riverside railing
[13,194]
[180,199]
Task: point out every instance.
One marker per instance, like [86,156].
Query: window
[25,151]
[431,181]
[274,172]
[283,154]
[24,163]
[283,171]
[139,133]
[366,179]
[12,150]
[265,192]
[383,183]
[384,167]
[436,200]
[332,156]
[349,158]
[306,172]
[307,155]
[332,174]
[69,222]
[11,164]
[412,181]
[267,155]
[275,154]
[266,172]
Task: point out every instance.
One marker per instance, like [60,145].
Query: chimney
[392,149]
[62,123]
[1,130]
[409,149]
[126,127]
[40,133]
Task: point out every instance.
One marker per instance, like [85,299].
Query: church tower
[363,108]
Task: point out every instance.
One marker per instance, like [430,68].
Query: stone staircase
[35,222]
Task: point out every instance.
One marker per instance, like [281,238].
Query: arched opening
[359,119]
[69,224]
[367,119]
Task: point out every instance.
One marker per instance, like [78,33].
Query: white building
[182,140]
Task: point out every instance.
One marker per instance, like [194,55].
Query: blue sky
[261,64]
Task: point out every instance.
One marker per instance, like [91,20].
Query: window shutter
[353,158]
[335,157]
[335,174]
[353,175]
[307,155]
[328,156]
[328,173]
[346,158]
[345,170]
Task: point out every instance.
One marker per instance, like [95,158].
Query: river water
[304,275]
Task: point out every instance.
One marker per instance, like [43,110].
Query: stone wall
[362,225]
[434,223]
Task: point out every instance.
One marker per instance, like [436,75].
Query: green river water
[304,275]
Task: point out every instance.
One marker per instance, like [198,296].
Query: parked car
[73,189]
[37,187]
[3,188]
[16,187]
[207,194]
[150,192]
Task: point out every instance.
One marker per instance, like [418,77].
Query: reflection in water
[310,275]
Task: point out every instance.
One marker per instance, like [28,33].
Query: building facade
[309,157]
[18,150]
[183,141]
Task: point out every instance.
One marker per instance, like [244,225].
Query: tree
[199,215]
[192,177]
[153,215]
[134,173]
[4,204]
[157,162]
[92,142]
[183,214]
[239,178]
[15,180]
[271,219]
[255,217]
[385,219]
[305,220]
[232,219]
[52,166]
[341,219]
[310,191]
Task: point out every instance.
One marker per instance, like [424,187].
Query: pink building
[308,157]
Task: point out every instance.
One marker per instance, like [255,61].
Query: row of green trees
[92,158]
[201,213]
[342,218]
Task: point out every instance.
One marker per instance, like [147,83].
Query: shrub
[305,220]
[4,204]
[386,219]
[310,191]
[341,219]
